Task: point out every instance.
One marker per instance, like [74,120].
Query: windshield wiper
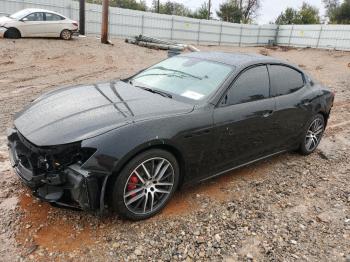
[170,75]
[178,71]
[155,91]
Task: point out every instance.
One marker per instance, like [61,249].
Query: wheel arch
[161,144]
[13,28]
[65,28]
[325,116]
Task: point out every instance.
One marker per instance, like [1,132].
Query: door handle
[198,133]
[267,113]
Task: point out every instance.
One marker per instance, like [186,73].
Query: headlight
[64,156]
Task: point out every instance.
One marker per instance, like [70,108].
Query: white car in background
[34,22]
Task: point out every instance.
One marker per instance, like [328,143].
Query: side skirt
[242,165]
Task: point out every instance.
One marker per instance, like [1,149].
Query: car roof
[234,59]
[33,10]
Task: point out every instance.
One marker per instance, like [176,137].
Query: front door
[244,120]
[32,25]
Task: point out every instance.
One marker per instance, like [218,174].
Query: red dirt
[61,235]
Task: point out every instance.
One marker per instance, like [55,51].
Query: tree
[288,17]
[339,14]
[229,12]
[238,11]
[330,6]
[202,12]
[307,14]
[171,8]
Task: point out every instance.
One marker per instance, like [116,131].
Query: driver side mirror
[24,19]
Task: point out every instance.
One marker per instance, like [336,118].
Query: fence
[127,23]
[315,36]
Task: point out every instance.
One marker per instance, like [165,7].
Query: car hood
[5,20]
[73,114]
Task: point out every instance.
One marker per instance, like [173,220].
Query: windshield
[20,14]
[184,76]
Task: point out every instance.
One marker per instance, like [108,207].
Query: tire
[312,135]
[12,33]
[66,34]
[137,195]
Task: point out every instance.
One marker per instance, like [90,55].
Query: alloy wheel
[149,186]
[66,35]
[314,134]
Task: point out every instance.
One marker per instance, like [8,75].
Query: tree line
[336,12]
[243,11]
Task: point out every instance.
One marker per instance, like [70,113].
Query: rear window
[53,17]
[285,80]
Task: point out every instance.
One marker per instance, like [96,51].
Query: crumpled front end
[55,173]
[2,31]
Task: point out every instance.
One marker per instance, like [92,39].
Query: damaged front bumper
[2,31]
[67,186]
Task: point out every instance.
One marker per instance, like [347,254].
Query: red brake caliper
[132,184]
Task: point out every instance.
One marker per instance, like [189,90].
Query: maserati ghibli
[127,145]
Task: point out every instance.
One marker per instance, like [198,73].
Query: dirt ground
[287,208]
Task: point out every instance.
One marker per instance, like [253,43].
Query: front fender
[117,147]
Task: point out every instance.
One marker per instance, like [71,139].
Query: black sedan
[129,144]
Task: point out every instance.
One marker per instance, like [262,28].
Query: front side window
[191,78]
[285,80]
[253,84]
[53,17]
[35,17]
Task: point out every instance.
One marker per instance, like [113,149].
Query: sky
[269,11]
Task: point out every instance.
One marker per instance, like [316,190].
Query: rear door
[293,102]
[244,119]
[54,24]
[32,25]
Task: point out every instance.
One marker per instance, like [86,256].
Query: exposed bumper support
[71,187]
[75,32]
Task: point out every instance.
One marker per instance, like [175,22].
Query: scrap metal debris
[155,43]
[264,52]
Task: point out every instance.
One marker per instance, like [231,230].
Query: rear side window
[251,85]
[285,80]
[53,17]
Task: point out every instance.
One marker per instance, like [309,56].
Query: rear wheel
[146,184]
[313,135]
[12,33]
[66,34]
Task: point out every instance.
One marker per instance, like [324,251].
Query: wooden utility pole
[209,7]
[158,4]
[104,27]
[82,17]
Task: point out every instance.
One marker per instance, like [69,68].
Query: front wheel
[146,184]
[12,33]
[66,34]
[313,135]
